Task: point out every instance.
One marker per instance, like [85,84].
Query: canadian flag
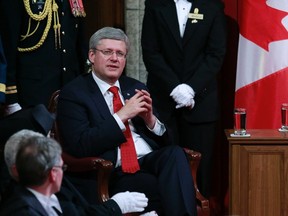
[262,68]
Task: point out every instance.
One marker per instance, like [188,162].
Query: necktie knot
[117,103]
[114,90]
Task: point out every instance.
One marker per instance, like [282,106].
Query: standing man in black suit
[44,47]
[89,125]
[183,43]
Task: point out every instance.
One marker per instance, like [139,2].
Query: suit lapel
[97,96]
[33,202]
[191,28]
[127,87]
[127,92]
[169,14]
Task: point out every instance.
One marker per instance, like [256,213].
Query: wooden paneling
[258,174]
[101,13]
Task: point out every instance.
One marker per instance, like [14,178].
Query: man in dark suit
[36,118]
[39,181]
[183,45]
[90,126]
[44,48]
[36,184]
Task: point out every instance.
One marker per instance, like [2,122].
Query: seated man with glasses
[107,114]
[38,183]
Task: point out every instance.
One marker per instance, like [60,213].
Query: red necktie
[128,153]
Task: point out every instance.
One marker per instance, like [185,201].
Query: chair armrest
[85,164]
[103,168]
[194,160]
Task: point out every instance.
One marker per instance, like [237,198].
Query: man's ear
[14,172]
[52,175]
[91,55]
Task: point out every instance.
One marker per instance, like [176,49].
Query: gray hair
[14,143]
[35,158]
[108,33]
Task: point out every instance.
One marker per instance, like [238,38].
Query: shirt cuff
[159,128]
[119,122]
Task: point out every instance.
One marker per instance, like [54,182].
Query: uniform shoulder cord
[50,7]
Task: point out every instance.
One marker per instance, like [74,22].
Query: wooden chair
[104,167]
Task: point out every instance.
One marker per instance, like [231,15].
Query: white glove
[183,95]
[130,201]
[11,108]
[152,213]
[190,104]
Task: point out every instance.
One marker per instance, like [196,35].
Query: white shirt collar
[103,86]
[46,202]
[176,1]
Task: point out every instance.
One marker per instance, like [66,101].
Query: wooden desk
[258,173]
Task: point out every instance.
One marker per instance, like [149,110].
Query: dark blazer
[86,124]
[38,73]
[89,129]
[194,59]
[22,202]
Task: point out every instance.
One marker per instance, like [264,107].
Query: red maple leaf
[261,23]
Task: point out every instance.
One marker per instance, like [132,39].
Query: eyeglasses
[63,167]
[109,53]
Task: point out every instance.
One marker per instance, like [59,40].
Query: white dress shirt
[141,146]
[48,202]
[183,8]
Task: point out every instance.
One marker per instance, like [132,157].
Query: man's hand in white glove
[130,201]
[189,104]
[183,95]
[11,108]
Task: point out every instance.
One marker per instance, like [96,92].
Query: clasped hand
[138,105]
[183,95]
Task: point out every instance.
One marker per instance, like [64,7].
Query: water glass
[284,117]
[240,121]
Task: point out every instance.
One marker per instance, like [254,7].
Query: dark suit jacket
[20,201]
[86,124]
[194,59]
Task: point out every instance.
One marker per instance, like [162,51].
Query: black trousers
[198,137]
[165,178]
